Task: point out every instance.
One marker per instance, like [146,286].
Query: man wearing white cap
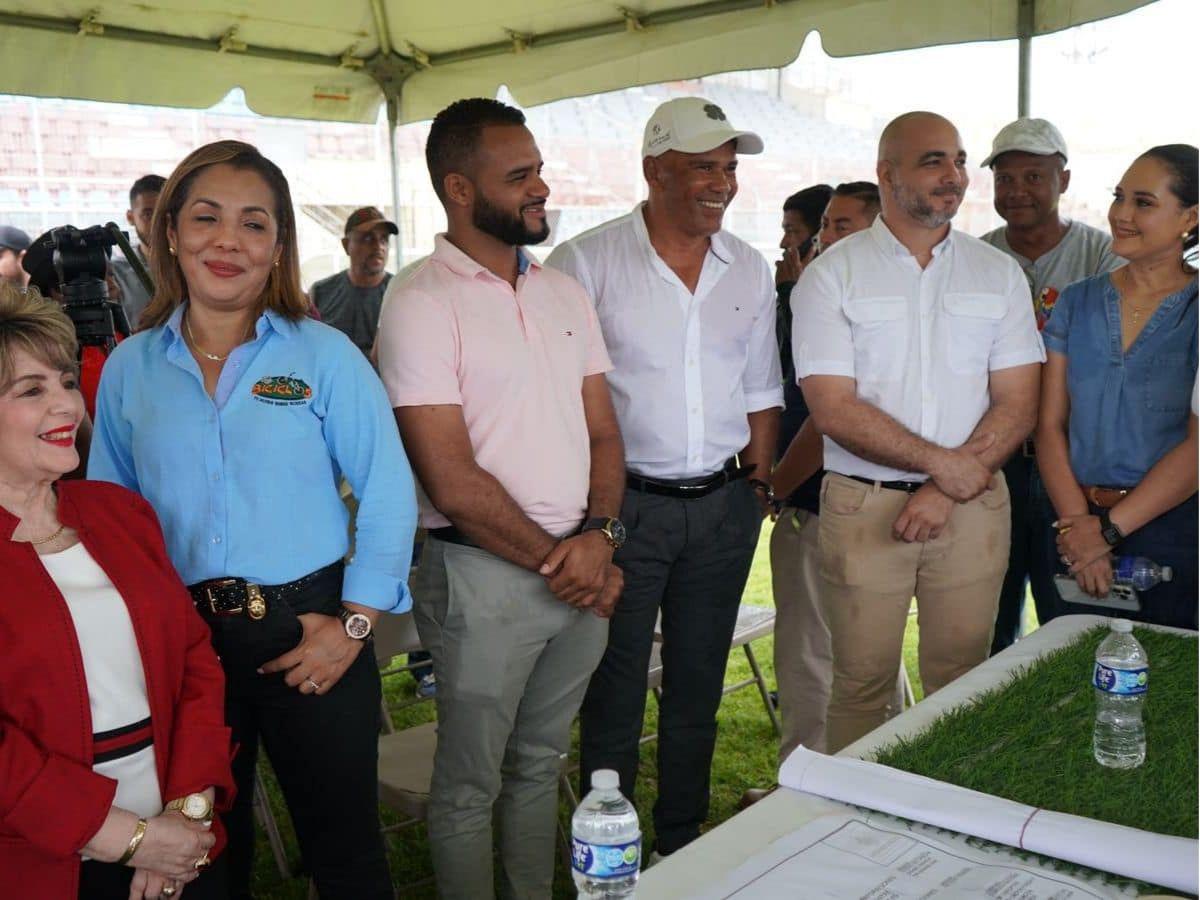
[1029,166]
[688,315]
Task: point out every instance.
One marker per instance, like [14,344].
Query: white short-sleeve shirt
[919,343]
[687,367]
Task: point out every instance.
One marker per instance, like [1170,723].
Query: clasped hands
[1085,552]
[957,476]
[580,572]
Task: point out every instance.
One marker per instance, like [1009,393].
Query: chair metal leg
[763,690]
[910,699]
[266,818]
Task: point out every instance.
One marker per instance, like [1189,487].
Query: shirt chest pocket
[972,322]
[879,332]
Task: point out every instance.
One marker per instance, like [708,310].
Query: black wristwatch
[612,529]
[1111,533]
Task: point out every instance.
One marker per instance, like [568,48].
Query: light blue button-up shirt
[245,482]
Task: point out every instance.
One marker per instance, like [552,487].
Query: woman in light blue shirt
[1116,438]
[236,416]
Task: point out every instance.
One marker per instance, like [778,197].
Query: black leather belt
[689,488]
[451,535]
[237,596]
[909,487]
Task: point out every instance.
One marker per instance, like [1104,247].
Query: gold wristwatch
[196,807]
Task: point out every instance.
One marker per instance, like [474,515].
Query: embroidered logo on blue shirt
[281,390]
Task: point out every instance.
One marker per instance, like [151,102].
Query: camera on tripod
[80,259]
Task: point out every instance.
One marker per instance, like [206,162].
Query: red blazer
[51,802]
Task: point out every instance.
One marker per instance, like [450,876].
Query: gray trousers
[512,663]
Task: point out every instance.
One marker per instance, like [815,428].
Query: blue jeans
[1169,540]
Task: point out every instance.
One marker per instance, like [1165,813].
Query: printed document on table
[860,857]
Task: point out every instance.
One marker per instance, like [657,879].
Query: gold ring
[1063,529]
[316,686]
[202,861]
[167,891]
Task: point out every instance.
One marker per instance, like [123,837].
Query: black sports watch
[1111,533]
[612,529]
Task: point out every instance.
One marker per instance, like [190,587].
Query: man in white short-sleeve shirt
[688,314]
[918,355]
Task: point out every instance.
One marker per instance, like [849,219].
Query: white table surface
[688,871]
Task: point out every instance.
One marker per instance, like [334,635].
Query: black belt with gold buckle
[237,596]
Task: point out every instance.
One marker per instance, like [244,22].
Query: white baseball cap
[1036,136]
[693,125]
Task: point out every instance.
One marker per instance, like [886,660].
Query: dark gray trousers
[689,558]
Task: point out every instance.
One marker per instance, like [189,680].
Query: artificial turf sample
[1030,740]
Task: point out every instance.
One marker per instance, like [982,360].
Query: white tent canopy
[339,60]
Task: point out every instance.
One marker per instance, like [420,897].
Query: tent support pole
[393,116]
[1026,10]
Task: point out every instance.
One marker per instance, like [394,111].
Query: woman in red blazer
[113,745]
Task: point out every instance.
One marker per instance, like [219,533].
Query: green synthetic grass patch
[1030,740]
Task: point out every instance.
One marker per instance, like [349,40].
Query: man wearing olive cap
[351,299]
[688,315]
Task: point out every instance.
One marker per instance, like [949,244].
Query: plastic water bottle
[1120,678]
[606,842]
[1139,572]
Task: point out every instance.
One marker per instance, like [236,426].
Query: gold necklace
[46,540]
[188,325]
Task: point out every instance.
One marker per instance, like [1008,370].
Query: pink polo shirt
[515,361]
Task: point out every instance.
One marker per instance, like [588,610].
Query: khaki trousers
[870,579]
[803,648]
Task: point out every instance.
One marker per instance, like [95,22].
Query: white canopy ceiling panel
[339,60]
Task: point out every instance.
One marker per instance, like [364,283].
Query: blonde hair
[282,292]
[31,323]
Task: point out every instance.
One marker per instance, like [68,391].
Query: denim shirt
[1128,408]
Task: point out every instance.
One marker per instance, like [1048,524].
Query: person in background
[1029,176]
[113,742]
[350,301]
[234,414]
[801,223]
[688,313]
[919,359]
[516,580]
[1116,437]
[13,244]
[143,199]
[803,654]
[852,208]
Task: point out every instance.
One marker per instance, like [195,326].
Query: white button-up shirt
[687,368]
[919,343]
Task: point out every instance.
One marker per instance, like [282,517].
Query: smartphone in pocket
[1120,596]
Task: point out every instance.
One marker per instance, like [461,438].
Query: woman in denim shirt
[1116,435]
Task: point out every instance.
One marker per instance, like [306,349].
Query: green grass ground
[745,757]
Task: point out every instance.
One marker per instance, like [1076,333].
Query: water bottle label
[606,860]
[1120,681]
[1123,569]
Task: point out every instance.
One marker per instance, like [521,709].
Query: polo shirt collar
[718,243]
[891,246]
[458,262]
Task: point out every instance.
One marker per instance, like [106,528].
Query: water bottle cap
[1167,573]
[605,780]
[1121,626]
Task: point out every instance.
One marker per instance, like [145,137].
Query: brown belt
[1105,497]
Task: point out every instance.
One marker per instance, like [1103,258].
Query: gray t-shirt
[134,296]
[1083,252]
[354,311]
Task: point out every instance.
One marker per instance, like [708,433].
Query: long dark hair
[1183,162]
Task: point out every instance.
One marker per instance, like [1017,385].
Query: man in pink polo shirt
[495,367]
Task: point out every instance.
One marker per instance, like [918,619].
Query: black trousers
[324,751]
[689,558]
[108,881]
[1027,560]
